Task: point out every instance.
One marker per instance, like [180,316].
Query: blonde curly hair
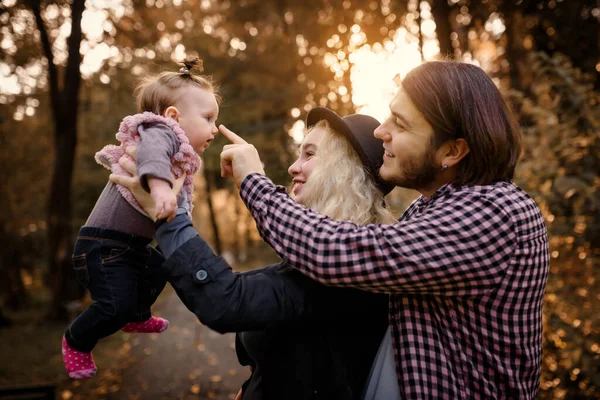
[340,186]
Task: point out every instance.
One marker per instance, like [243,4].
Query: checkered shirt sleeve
[460,246]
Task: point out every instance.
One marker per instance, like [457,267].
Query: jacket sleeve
[232,302]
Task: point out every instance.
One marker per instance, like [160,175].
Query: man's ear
[172,112]
[455,151]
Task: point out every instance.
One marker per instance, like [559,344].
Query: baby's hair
[155,93]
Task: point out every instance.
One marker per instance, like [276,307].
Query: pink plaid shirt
[465,270]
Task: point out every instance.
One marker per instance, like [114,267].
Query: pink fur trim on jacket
[185,161]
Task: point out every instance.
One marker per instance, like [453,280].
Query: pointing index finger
[232,137]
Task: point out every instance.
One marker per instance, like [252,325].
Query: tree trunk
[11,285]
[60,243]
[4,321]
[441,16]
[237,240]
[515,53]
[597,43]
[16,295]
[213,219]
[65,112]
[419,23]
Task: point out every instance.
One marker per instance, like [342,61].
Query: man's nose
[380,132]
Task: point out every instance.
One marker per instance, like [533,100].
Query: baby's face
[198,113]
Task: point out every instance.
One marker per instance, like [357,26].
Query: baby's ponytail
[155,93]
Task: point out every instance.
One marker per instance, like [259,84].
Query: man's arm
[461,248]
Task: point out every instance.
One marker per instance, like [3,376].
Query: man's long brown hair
[459,100]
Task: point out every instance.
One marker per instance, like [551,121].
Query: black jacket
[308,341]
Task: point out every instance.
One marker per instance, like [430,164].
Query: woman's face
[301,169]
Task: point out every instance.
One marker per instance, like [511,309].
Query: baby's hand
[165,201]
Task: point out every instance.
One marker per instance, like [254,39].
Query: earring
[444,168]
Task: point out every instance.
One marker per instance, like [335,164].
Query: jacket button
[201,275]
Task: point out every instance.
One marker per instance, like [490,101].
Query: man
[467,263]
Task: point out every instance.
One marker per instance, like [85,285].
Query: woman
[303,340]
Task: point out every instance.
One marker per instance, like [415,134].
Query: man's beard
[418,174]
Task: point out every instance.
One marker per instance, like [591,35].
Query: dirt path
[187,361]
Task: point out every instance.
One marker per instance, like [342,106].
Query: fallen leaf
[195,389]
[102,390]
[216,378]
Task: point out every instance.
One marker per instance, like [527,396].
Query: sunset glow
[376,69]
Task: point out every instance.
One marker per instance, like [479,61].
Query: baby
[112,257]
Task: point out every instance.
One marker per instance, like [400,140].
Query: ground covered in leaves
[187,361]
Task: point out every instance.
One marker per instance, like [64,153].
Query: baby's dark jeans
[122,272]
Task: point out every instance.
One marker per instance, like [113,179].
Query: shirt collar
[446,188]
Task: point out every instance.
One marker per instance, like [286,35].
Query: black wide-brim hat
[358,130]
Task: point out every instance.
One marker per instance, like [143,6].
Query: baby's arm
[165,201]
[155,151]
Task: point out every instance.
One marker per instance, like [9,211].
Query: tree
[441,15]
[64,101]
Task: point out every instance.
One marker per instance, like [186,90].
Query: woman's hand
[239,159]
[133,183]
